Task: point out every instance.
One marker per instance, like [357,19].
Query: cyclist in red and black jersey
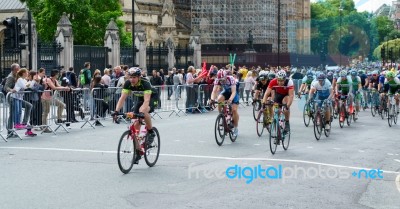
[282,90]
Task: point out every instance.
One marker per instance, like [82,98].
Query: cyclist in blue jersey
[323,87]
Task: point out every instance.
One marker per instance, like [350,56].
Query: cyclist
[364,84]
[146,103]
[329,76]
[323,88]
[261,81]
[373,85]
[228,85]
[394,86]
[343,85]
[356,90]
[306,83]
[282,90]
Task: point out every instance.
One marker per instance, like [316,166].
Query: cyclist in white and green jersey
[344,86]
[393,84]
[356,90]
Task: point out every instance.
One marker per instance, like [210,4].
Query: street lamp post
[340,32]
[133,33]
[279,32]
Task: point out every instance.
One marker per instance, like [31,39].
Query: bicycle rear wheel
[328,131]
[373,109]
[273,137]
[126,152]
[152,151]
[260,125]
[220,129]
[395,115]
[306,114]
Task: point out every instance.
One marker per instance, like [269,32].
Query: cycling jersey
[227,88]
[262,87]
[381,79]
[374,82]
[355,82]
[142,87]
[323,91]
[363,78]
[307,81]
[283,90]
[393,85]
[345,85]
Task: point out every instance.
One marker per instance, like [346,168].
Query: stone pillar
[140,43]
[65,37]
[171,53]
[112,41]
[25,52]
[194,43]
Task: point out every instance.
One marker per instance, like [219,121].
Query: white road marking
[390,154]
[206,157]
[361,150]
[177,140]
[336,148]
[257,144]
[397,160]
[309,147]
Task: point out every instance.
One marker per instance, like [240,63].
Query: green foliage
[89,18]
[345,30]
[392,44]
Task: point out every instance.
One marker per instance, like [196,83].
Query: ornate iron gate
[96,55]
[48,56]
[157,58]
[183,57]
[7,58]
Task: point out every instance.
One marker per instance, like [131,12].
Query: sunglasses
[374,75]
[280,79]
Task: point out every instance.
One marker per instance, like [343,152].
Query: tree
[384,26]
[89,19]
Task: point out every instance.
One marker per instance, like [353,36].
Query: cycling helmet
[321,76]
[271,75]
[213,73]
[262,78]
[353,73]
[390,74]
[360,72]
[134,71]
[343,73]
[310,75]
[329,75]
[281,74]
[263,73]
[221,74]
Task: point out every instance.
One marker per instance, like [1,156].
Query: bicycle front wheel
[390,115]
[306,114]
[260,125]
[273,136]
[126,152]
[317,126]
[256,108]
[152,151]
[220,129]
[286,140]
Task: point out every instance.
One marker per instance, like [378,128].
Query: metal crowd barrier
[3,105]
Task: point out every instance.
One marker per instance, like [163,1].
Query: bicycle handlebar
[129,114]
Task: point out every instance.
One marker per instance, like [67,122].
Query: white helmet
[281,74]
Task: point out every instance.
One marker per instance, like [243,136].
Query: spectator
[71,76]
[99,95]
[19,102]
[52,84]
[34,98]
[169,82]
[106,77]
[248,85]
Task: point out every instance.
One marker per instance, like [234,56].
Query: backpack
[82,78]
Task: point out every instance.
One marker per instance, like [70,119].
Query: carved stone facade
[162,19]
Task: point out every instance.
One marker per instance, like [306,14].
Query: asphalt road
[80,170]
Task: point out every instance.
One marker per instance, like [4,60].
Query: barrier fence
[51,111]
